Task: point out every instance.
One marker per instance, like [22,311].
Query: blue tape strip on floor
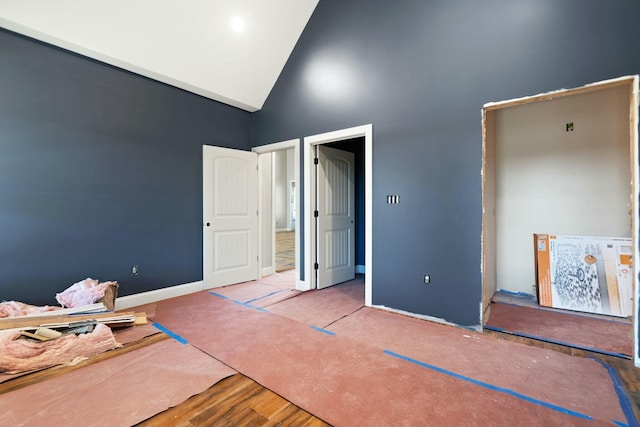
[490,386]
[625,403]
[325,331]
[519,294]
[246,304]
[566,344]
[171,334]
[264,296]
[264,310]
[219,295]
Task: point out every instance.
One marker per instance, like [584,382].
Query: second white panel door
[336,216]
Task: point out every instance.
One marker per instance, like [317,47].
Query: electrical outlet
[427,279]
[134,270]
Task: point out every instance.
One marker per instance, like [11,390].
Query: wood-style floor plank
[235,401]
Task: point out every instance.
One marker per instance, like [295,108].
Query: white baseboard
[360,269]
[142,298]
[267,271]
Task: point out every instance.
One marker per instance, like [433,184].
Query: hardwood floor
[235,401]
[285,250]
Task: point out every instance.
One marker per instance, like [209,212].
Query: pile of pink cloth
[82,293]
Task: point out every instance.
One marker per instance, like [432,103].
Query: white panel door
[230,214]
[335,221]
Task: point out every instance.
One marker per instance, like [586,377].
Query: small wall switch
[393,199]
[427,279]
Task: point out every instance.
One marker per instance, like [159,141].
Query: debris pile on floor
[33,337]
[20,353]
[88,292]
[80,294]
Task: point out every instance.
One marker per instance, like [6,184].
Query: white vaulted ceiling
[231,51]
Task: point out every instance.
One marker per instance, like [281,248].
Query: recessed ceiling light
[237,24]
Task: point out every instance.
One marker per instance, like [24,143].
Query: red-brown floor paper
[120,391]
[575,330]
[323,307]
[346,382]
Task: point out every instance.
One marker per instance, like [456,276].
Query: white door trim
[301,285]
[365,131]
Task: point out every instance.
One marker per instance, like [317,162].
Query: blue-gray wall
[420,71]
[100,170]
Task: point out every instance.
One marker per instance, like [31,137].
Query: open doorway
[360,137]
[560,164]
[284,200]
[279,203]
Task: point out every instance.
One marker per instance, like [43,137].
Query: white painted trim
[149,297]
[267,271]
[301,285]
[365,131]
[360,269]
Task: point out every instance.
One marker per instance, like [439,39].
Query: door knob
[208,224]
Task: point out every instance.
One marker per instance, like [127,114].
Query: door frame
[270,148]
[487,238]
[365,131]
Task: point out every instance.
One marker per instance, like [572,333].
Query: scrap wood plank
[30,322]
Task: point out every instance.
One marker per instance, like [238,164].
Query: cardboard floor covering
[120,391]
[603,335]
[348,382]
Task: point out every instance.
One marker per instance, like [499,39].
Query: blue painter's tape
[519,294]
[264,296]
[490,386]
[566,344]
[171,334]
[622,396]
[218,295]
[324,331]
[264,310]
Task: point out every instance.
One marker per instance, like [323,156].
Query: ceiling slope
[231,51]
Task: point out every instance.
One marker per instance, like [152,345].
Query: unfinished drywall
[562,167]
